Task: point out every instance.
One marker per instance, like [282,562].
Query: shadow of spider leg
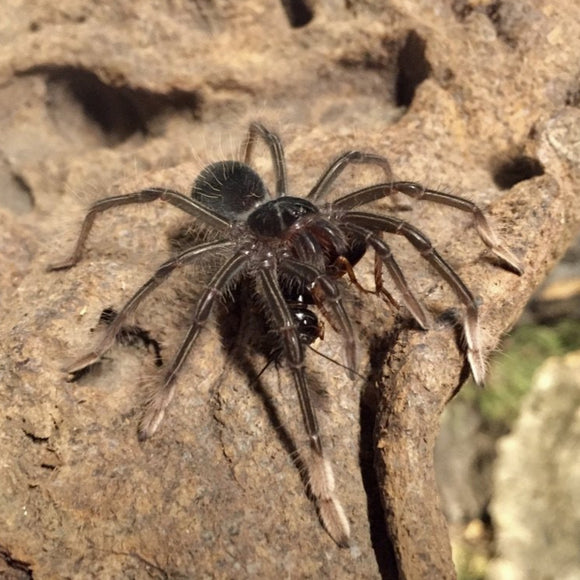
[132,335]
[162,273]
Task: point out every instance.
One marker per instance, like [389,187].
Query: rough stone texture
[99,99]
[537,480]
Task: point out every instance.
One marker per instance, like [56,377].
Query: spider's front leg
[418,192]
[321,477]
[384,256]
[371,223]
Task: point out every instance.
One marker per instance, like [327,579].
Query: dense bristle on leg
[154,413]
[474,350]
[329,508]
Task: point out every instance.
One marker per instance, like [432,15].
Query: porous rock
[537,480]
[106,98]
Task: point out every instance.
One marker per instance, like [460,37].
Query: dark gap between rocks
[508,173]
[298,12]
[117,112]
[413,68]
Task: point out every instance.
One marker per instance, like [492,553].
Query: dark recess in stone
[516,169]
[413,68]
[573,97]
[299,12]
[120,111]
[13,568]
[15,193]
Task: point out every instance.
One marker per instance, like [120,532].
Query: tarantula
[294,250]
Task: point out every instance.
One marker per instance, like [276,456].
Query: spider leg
[422,244]
[417,191]
[156,280]
[383,251]
[327,179]
[323,284]
[158,403]
[321,480]
[276,151]
[150,194]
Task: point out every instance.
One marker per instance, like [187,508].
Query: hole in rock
[298,12]
[413,68]
[516,169]
[117,111]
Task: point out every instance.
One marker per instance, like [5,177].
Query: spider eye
[231,188]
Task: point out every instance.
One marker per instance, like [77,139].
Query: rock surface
[101,99]
[537,480]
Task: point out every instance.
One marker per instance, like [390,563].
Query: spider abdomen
[231,188]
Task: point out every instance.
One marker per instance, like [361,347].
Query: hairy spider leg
[323,185]
[162,273]
[384,252]
[325,292]
[186,204]
[421,243]
[276,151]
[320,471]
[227,274]
[417,191]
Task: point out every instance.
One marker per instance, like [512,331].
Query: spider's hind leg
[228,273]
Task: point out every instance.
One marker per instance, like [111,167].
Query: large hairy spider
[295,250]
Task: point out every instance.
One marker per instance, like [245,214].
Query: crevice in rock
[15,194]
[382,546]
[413,68]
[35,438]
[518,168]
[497,15]
[379,348]
[115,112]
[298,12]
[48,466]
[14,568]
[573,96]
[462,9]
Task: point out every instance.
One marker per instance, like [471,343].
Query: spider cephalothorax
[295,250]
